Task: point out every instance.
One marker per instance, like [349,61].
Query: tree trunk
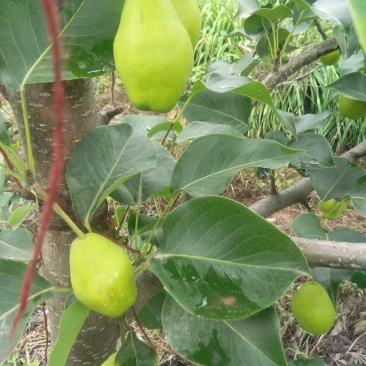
[99,335]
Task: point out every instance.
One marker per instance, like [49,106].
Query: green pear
[153,54]
[102,276]
[110,360]
[190,15]
[351,108]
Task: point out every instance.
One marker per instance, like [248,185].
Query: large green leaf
[16,245]
[104,159]
[222,109]
[336,11]
[87,33]
[222,261]
[72,319]
[352,85]
[358,12]
[309,121]
[337,181]
[318,151]
[150,314]
[11,279]
[210,162]
[245,342]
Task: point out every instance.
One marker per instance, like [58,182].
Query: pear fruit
[102,276]
[110,360]
[153,54]
[312,307]
[351,108]
[330,58]
[190,15]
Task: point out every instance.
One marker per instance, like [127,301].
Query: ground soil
[344,344]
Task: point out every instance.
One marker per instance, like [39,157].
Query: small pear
[102,276]
[190,15]
[153,54]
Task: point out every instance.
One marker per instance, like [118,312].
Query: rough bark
[99,335]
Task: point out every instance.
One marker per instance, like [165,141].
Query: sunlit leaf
[222,261]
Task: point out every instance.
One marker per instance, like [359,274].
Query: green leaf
[307,225]
[335,11]
[16,245]
[308,122]
[72,319]
[222,261]
[11,279]
[245,342]
[108,155]
[135,353]
[358,12]
[246,7]
[150,314]
[352,85]
[241,67]
[210,162]
[199,129]
[276,14]
[87,33]
[152,181]
[288,120]
[358,196]
[336,182]
[227,109]
[318,151]
[331,278]
[17,217]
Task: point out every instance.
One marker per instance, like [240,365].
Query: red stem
[53,28]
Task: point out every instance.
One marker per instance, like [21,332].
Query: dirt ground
[343,345]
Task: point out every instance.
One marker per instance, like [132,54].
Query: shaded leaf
[245,342]
[11,279]
[226,109]
[199,129]
[134,352]
[222,261]
[308,122]
[108,155]
[316,361]
[241,67]
[318,151]
[288,120]
[16,245]
[210,162]
[307,225]
[336,182]
[17,217]
[150,314]
[72,319]
[358,196]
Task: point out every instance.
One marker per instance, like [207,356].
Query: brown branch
[299,191]
[320,29]
[298,62]
[334,254]
[107,115]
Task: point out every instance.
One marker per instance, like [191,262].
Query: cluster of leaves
[222,266]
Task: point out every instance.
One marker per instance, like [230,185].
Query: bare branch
[298,62]
[334,254]
[299,191]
